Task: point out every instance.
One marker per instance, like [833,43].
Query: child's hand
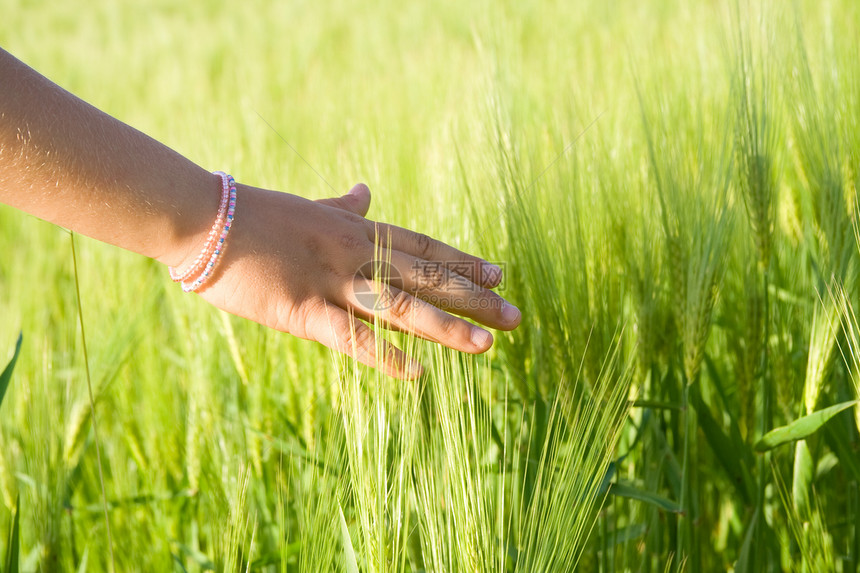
[303,267]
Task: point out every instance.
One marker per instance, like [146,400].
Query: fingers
[426,248]
[411,291]
[356,201]
[404,312]
[333,327]
[435,283]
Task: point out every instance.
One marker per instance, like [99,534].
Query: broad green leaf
[144,499]
[647,415]
[609,476]
[729,452]
[671,468]
[745,559]
[273,558]
[801,428]
[826,463]
[199,558]
[760,548]
[177,561]
[801,483]
[13,544]
[655,405]
[348,550]
[7,372]
[628,491]
[85,561]
[625,534]
[736,437]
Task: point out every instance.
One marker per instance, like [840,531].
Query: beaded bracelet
[212,248]
[198,263]
[219,245]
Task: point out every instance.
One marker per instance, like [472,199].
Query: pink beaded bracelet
[213,248]
[198,263]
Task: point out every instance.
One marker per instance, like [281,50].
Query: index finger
[476,269]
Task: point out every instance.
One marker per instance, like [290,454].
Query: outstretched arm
[295,265]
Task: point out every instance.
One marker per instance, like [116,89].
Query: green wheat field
[671,188]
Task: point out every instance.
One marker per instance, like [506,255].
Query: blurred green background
[671,187]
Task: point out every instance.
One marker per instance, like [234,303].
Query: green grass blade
[85,561]
[627,534]
[92,401]
[12,547]
[606,483]
[801,483]
[744,562]
[7,372]
[732,453]
[198,557]
[656,405]
[800,428]
[628,491]
[348,550]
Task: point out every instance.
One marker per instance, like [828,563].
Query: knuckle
[310,315]
[390,354]
[352,337]
[424,245]
[436,278]
[349,241]
[487,300]
[312,245]
[328,268]
[363,337]
[430,276]
[402,305]
[284,315]
[449,326]
[353,218]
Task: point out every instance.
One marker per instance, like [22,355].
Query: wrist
[199,271]
[193,213]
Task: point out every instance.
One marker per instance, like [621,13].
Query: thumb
[356,201]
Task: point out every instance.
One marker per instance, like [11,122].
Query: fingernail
[491,274]
[481,338]
[510,313]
